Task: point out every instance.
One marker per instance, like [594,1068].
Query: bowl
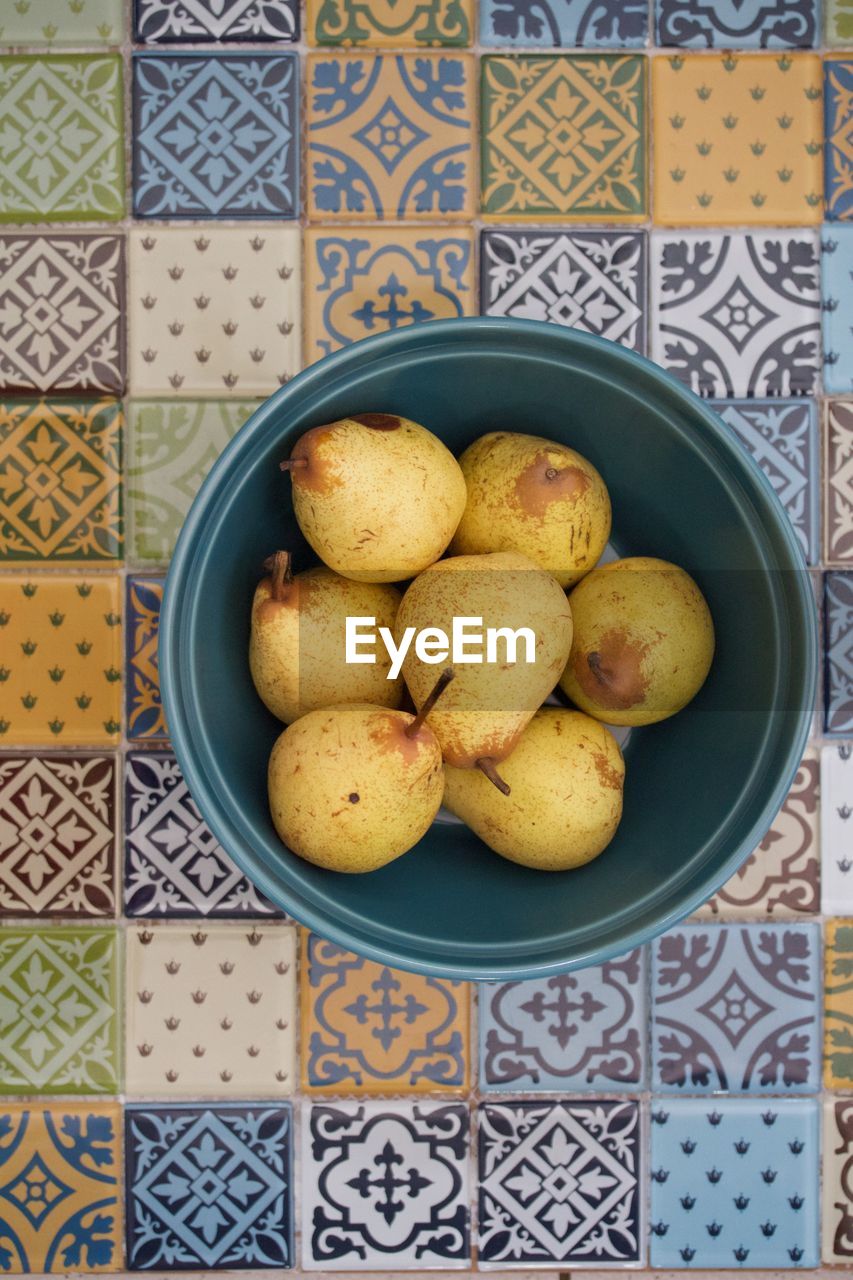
[701,788]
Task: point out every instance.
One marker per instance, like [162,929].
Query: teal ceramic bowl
[701,788]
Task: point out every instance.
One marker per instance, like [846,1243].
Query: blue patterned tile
[782,436]
[144,708]
[738,24]
[838,108]
[837,274]
[584,1030]
[560,1183]
[529,24]
[385,1186]
[735,1182]
[737,1008]
[215,135]
[208,1188]
[838,653]
[230,21]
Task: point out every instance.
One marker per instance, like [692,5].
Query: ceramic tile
[145,719]
[59,1185]
[576,1031]
[836,811]
[736,1008]
[215,135]
[782,877]
[61,673]
[385,1186]
[172,445]
[59,997]
[836,269]
[370,1029]
[559,1183]
[740,139]
[390,136]
[737,313]
[839,22]
[782,436]
[738,24]
[61,124]
[362,282]
[211,1011]
[214,310]
[173,864]
[524,24]
[57,835]
[382,23]
[231,21]
[590,280]
[838,655]
[837,1179]
[735,1180]
[838,1004]
[209,1187]
[83,22]
[60,482]
[838,105]
[838,481]
[564,137]
[62,300]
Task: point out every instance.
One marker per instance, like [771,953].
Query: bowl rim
[619,938]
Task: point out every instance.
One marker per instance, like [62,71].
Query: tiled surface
[836,811]
[228,21]
[390,22]
[838,482]
[144,709]
[540,23]
[838,1010]
[838,1180]
[836,266]
[739,24]
[839,22]
[838,666]
[838,99]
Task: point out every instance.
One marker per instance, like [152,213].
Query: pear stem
[293,464]
[278,566]
[486,765]
[432,698]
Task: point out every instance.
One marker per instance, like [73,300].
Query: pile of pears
[512,533]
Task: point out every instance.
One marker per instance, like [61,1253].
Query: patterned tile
[836,270]
[559,1182]
[782,436]
[735,1180]
[145,719]
[737,313]
[390,136]
[60,482]
[173,864]
[62,325]
[209,1187]
[61,674]
[60,1002]
[59,1171]
[210,1011]
[836,829]
[739,24]
[736,1008]
[214,310]
[591,280]
[837,1179]
[57,835]
[61,122]
[782,877]
[361,282]
[838,1006]
[838,106]
[385,1186]
[382,23]
[739,139]
[839,21]
[86,22]
[838,654]
[838,481]
[186,21]
[171,447]
[215,136]
[564,137]
[577,1031]
[370,1029]
[527,24]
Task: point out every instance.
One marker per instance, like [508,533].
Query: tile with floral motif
[381,23]
[838,481]
[529,24]
[839,22]
[838,1006]
[838,105]
[215,21]
[738,24]
[145,720]
[838,1180]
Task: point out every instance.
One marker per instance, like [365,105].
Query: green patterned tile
[839,22]
[62,22]
[173,445]
[61,149]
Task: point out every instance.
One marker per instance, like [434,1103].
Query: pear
[643,642]
[377,496]
[532,495]
[351,788]
[482,715]
[297,643]
[566,775]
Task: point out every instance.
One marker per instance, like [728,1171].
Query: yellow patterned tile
[838,1006]
[738,139]
[60,680]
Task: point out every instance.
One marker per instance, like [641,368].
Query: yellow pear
[532,495]
[297,642]
[351,788]
[565,777]
[643,642]
[482,715]
[377,496]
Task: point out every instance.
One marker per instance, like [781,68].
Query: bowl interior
[701,788]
